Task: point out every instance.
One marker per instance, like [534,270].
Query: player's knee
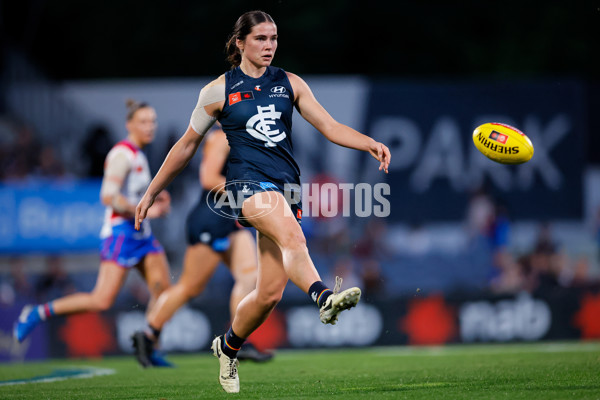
[246,280]
[103,303]
[294,241]
[157,287]
[268,301]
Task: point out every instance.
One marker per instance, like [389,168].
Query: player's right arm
[210,103]
[115,171]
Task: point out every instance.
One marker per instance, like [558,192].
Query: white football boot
[228,375]
[338,302]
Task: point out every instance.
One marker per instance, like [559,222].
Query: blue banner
[435,165]
[50,216]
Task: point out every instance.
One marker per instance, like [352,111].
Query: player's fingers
[387,157]
[380,155]
[140,215]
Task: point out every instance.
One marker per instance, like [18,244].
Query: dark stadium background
[411,39]
[432,47]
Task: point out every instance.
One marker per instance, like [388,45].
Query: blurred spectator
[22,155]
[369,251]
[14,286]
[372,244]
[54,282]
[418,241]
[372,278]
[18,278]
[577,274]
[499,234]
[511,276]
[344,268]
[480,214]
[49,166]
[331,234]
[95,148]
[544,264]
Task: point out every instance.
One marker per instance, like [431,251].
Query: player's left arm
[336,132]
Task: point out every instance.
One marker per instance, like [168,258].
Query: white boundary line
[86,372]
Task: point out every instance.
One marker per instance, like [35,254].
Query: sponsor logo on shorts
[268,185]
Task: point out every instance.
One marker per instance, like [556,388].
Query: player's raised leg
[110,280]
[281,226]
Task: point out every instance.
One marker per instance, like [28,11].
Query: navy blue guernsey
[257,119]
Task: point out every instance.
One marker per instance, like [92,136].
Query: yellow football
[503,143]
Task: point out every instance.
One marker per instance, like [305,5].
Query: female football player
[254,103]
[212,238]
[126,177]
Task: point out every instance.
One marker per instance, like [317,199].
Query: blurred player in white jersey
[126,177]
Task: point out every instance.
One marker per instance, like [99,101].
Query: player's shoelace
[232,367]
[338,284]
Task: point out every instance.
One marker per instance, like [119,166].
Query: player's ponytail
[241,29]
[133,106]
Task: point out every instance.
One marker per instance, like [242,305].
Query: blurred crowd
[23,156]
[543,267]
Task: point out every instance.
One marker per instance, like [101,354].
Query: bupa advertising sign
[50,216]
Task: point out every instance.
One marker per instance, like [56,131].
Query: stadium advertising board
[428,128]
[566,314]
[34,348]
[50,216]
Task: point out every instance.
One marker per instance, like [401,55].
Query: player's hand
[142,208]
[382,154]
[161,206]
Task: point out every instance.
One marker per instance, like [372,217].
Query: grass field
[534,371]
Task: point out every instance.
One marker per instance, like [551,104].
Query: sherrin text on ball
[503,143]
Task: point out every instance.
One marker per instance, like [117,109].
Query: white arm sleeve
[115,173]
[200,120]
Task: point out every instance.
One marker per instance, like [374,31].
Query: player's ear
[240,45]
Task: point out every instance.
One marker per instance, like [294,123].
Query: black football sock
[319,293]
[231,343]
[152,333]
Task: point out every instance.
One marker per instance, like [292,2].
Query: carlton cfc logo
[278,89]
[263,125]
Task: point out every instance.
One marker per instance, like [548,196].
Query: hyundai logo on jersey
[278,89]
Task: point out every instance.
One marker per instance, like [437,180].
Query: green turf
[536,371]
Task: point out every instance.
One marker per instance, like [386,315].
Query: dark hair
[133,106]
[241,29]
